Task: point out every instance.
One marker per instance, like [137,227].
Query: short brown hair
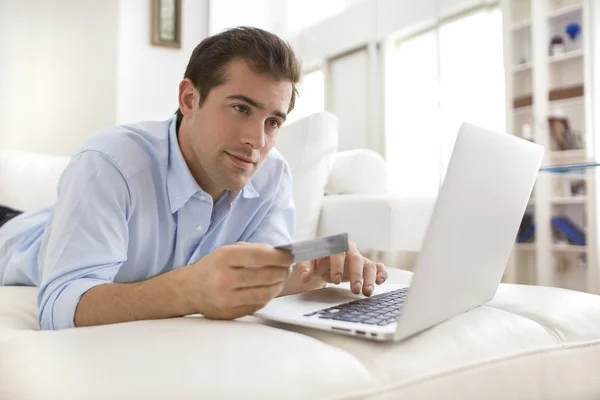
[263,51]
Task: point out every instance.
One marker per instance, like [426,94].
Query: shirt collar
[181,184]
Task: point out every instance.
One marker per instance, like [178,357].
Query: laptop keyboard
[382,309]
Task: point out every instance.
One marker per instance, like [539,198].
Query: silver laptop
[465,250]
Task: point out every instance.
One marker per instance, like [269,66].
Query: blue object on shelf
[573,30]
[526,234]
[571,231]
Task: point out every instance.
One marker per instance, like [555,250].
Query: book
[571,231]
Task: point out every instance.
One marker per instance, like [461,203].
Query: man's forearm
[160,297]
[294,285]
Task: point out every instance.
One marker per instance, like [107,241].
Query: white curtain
[311,98]
[283,17]
[432,89]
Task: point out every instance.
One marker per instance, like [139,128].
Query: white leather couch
[529,342]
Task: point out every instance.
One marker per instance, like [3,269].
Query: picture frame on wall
[166,23]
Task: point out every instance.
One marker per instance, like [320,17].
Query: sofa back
[28,181]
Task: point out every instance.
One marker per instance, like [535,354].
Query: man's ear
[187,96]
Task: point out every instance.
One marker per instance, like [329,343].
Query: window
[412,136]
[431,91]
[311,98]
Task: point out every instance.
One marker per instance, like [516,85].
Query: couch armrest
[382,222]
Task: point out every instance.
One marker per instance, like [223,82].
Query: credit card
[311,249]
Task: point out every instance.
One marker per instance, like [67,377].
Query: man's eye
[274,123]
[241,108]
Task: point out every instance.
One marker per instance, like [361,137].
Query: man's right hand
[222,286]
[218,286]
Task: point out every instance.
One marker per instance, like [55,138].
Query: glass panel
[424,108]
[472,76]
[311,96]
[412,137]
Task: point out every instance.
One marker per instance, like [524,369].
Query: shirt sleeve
[86,239]
[278,225]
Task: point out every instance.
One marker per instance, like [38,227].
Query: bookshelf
[549,70]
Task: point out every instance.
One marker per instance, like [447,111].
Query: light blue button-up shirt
[128,208]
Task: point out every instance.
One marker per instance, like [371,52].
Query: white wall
[264,14]
[285,18]
[57,72]
[69,68]
[349,96]
[148,76]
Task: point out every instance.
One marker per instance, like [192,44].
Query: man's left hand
[350,266]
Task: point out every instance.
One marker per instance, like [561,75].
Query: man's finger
[254,254]
[336,267]
[306,270]
[354,264]
[382,274]
[369,275]
[255,277]
[257,296]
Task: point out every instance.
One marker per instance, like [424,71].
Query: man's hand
[220,286]
[351,266]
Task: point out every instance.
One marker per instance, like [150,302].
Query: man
[161,219]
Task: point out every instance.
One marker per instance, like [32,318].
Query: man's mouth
[241,161]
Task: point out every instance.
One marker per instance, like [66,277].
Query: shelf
[569,55]
[560,154]
[572,175]
[522,67]
[563,200]
[569,248]
[569,200]
[554,95]
[568,156]
[517,26]
[523,101]
[553,60]
[523,110]
[565,11]
[575,101]
[563,93]
[525,246]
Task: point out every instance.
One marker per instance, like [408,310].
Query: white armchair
[347,191]
[357,201]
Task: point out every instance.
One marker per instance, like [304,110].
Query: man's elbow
[57,305]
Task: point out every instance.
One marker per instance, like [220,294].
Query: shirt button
[199,228]
[203,198]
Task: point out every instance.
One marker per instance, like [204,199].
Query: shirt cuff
[62,313]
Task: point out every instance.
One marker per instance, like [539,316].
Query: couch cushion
[529,342]
[357,171]
[309,145]
[383,222]
[168,359]
[28,181]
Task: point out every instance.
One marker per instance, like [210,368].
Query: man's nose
[255,136]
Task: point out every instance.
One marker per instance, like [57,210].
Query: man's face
[225,140]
